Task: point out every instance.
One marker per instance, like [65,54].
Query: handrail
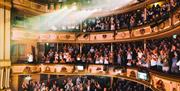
[154,72]
[136,29]
[121,35]
[85,72]
[19,69]
[170,77]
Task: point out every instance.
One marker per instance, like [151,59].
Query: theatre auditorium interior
[89,45]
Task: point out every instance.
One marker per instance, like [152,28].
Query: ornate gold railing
[170,26]
[30,6]
[154,77]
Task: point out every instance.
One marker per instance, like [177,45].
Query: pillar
[5,63]
[171,20]
[145,14]
[144,44]
[80,48]
[1,77]
[111,47]
[111,83]
[51,7]
[57,7]
[171,17]
[57,47]
[46,8]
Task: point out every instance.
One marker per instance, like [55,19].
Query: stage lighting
[74,7]
[53,28]
[65,7]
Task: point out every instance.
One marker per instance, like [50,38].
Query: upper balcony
[150,16]
[155,29]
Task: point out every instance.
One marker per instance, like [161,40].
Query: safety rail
[129,73]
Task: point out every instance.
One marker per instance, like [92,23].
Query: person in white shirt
[153,61]
[106,61]
[30,58]
[165,66]
[140,58]
[178,64]
[159,61]
[101,59]
[92,50]
[78,58]
[97,61]
[140,54]
[69,85]
[119,61]
[129,57]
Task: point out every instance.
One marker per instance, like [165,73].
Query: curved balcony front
[168,27]
[132,74]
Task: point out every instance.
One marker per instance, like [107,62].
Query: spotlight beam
[72,16]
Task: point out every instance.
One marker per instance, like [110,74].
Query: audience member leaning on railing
[155,14]
[160,54]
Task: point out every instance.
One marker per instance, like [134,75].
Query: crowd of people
[154,14]
[82,83]
[159,54]
[125,85]
[66,83]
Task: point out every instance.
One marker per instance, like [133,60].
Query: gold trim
[152,73]
[166,32]
[5,63]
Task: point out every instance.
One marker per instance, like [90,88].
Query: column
[145,14]
[7,76]
[1,77]
[5,63]
[57,47]
[46,8]
[80,48]
[2,15]
[81,27]
[57,6]
[171,20]
[51,7]
[2,44]
[111,82]
[144,44]
[111,47]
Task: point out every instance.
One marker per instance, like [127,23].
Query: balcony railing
[99,70]
[170,25]
[31,5]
